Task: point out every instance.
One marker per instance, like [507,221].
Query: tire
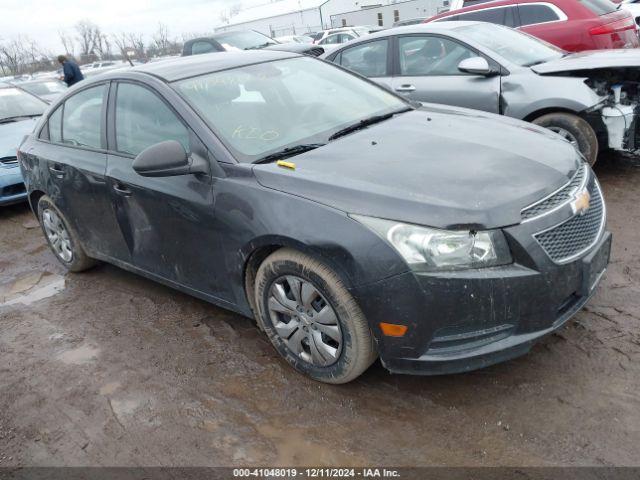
[355,350]
[575,129]
[72,255]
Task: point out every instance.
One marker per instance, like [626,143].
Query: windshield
[16,103]
[248,40]
[261,109]
[44,88]
[514,46]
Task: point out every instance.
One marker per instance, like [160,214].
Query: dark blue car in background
[19,111]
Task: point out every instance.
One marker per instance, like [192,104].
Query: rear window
[501,16]
[532,14]
[599,7]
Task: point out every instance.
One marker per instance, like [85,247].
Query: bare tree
[67,42]
[120,39]
[23,55]
[88,37]
[161,40]
[136,41]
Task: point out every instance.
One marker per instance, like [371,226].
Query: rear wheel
[311,318]
[61,238]
[575,130]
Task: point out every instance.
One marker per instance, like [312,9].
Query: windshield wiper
[259,47]
[15,118]
[366,122]
[289,152]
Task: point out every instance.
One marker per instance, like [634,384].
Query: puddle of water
[80,355]
[109,388]
[125,407]
[33,288]
[295,447]
[25,283]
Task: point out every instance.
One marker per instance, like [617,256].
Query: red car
[573,25]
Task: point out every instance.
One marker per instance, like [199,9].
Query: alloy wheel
[57,234]
[305,321]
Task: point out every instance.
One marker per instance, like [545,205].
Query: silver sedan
[589,98]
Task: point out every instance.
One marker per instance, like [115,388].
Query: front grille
[559,197]
[315,51]
[9,161]
[12,190]
[575,236]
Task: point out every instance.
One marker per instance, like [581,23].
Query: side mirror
[168,159]
[476,66]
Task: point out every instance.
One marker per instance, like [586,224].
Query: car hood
[592,60]
[439,166]
[303,48]
[11,134]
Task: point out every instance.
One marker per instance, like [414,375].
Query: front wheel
[311,319]
[575,130]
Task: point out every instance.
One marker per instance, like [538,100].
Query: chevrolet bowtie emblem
[581,202]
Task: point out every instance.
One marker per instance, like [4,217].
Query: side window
[82,115]
[202,47]
[431,56]
[55,126]
[532,14]
[501,16]
[368,59]
[142,120]
[330,40]
[345,37]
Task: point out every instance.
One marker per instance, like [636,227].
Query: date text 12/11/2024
[315,473]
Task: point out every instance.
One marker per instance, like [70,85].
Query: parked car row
[18,113]
[571,25]
[590,98]
[349,220]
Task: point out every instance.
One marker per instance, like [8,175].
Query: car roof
[491,4]
[419,28]
[174,69]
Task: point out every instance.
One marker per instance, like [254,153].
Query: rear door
[370,59]
[426,69]
[71,152]
[168,222]
[548,22]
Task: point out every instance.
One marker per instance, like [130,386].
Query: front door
[427,71]
[168,223]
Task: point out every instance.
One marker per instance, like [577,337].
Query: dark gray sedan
[589,98]
[349,223]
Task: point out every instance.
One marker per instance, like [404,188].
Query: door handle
[122,190]
[405,88]
[57,171]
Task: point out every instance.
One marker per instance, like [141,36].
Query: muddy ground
[107,368]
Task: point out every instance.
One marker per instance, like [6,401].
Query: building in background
[294,17]
[384,16]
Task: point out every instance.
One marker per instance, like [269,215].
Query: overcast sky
[42,19]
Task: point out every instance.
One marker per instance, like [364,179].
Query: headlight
[431,249]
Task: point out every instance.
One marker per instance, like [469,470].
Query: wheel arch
[594,119]
[34,198]
[257,251]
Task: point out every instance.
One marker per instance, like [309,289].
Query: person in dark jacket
[71,70]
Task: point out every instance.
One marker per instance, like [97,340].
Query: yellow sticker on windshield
[282,163]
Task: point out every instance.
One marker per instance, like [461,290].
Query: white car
[294,39]
[355,32]
[632,6]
